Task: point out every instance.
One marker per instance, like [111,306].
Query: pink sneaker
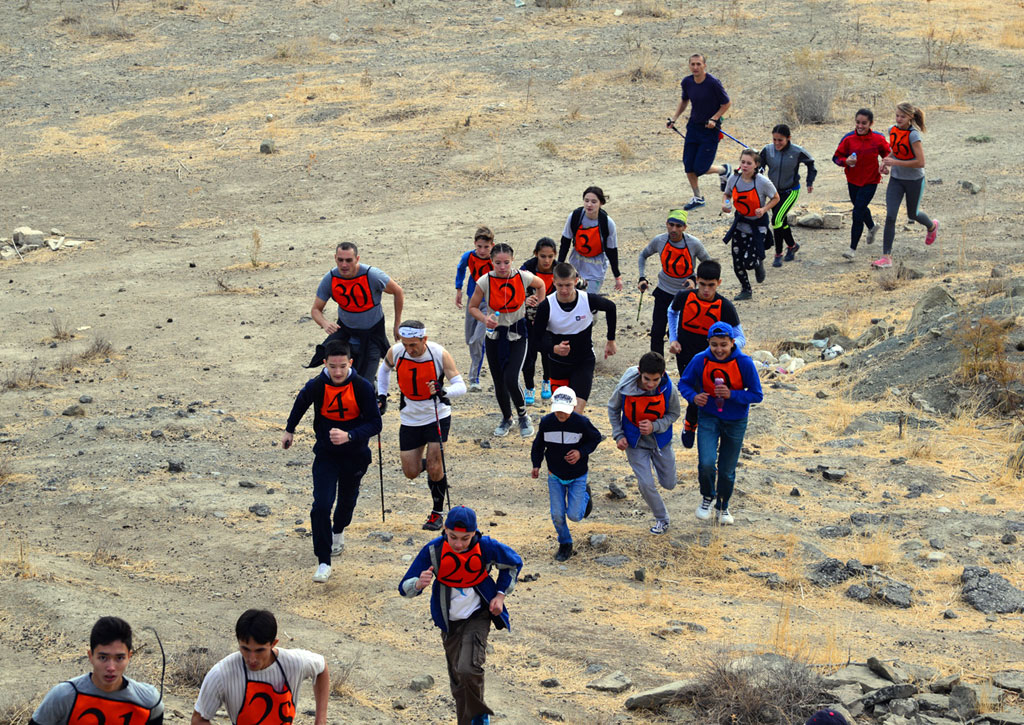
[929,238]
[882,263]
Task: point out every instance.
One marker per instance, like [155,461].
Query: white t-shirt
[463,603]
[421,412]
[224,684]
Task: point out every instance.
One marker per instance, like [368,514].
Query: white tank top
[421,412]
[576,320]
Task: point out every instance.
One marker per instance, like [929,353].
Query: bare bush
[809,100]
[888,280]
[22,379]
[110,29]
[254,248]
[648,9]
[189,669]
[98,348]
[341,674]
[60,329]
[754,690]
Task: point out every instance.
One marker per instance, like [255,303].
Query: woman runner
[858,153]
[782,159]
[591,234]
[542,264]
[751,195]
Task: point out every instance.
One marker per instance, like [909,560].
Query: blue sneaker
[480,720]
[545,390]
[694,203]
[528,397]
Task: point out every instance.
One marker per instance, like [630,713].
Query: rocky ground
[149,361]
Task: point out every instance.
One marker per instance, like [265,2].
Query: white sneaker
[849,254]
[725,518]
[659,528]
[475,387]
[870,239]
[338,543]
[322,573]
[525,426]
[704,510]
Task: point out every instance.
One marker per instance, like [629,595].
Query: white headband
[412,332]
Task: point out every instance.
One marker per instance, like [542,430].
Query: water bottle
[720,402]
[853,158]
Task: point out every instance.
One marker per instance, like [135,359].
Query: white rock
[617,12]
[334,38]
[55,244]
[793,365]
[832,220]
[935,556]
[763,356]
[7,252]
[27,236]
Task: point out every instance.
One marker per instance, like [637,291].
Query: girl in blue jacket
[723,383]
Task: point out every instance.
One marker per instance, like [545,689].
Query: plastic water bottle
[853,158]
[720,402]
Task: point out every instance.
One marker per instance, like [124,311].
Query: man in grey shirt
[357,288]
[678,253]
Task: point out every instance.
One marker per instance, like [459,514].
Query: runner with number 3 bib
[590,242]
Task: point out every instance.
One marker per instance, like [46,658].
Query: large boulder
[988,592]
[678,691]
[934,304]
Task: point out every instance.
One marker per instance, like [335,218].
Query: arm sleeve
[599,303]
[56,706]
[456,387]
[383,377]
[812,171]
[646,252]
[460,271]
[883,146]
[407,585]
[508,563]
[540,325]
[665,422]
[591,437]
[211,693]
[673,323]
[762,159]
[615,412]
[723,97]
[302,402]
[689,381]
[741,338]
[613,259]
[752,383]
[563,248]
[839,157]
[368,410]
[537,449]
[699,251]
[323,292]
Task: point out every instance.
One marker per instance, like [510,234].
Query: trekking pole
[380,465]
[444,468]
[733,138]
[640,306]
[673,127]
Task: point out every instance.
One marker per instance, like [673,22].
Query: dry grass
[254,249]
[810,95]
[66,363]
[643,65]
[6,467]
[22,379]
[624,150]
[1012,35]
[878,548]
[340,674]
[648,9]
[100,347]
[980,80]
[888,280]
[189,669]
[60,329]
[108,29]
[17,568]
[17,714]
[549,147]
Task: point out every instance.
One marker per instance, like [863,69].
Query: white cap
[563,400]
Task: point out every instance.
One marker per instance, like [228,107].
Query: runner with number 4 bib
[424,408]
[750,196]
[590,243]
[104,695]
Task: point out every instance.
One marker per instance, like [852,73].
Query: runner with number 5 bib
[590,243]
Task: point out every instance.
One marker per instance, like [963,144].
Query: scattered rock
[7,252]
[334,38]
[267,146]
[612,560]
[384,536]
[1009,539]
[74,411]
[963,701]
[988,592]
[615,491]
[971,186]
[949,614]
[834,532]
[246,484]
[859,592]
[398,704]
[85,399]
[1012,680]
[485,444]
[156,433]
[550,682]
[640,574]
[692,626]
[260,509]
[932,305]
[872,335]
[885,671]
[828,573]
[944,685]
[613,682]
[821,395]
[421,682]
[832,220]
[175,466]
[938,544]
[834,474]
[932,702]
[599,541]
[678,691]
[860,675]
[27,237]
[811,221]
[795,492]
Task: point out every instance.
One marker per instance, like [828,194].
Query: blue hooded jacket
[735,407]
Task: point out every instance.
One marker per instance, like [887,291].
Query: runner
[591,232]
[566,439]
[424,407]
[357,289]
[478,262]
[541,264]
[752,196]
[782,159]
[641,410]
[905,166]
[345,418]
[691,315]
[723,383]
[464,601]
[710,102]
[259,684]
[105,694]
[858,153]
[564,325]
[502,291]
[677,252]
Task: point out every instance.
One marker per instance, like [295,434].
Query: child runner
[782,159]
[691,315]
[105,693]
[565,439]
[345,418]
[504,290]
[259,684]
[858,153]
[642,408]
[541,264]
[905,166]
[752,196]
[565,322]
[464,601]
[477,262]
[723,383]
[678,253]
[424,407]
[591,232]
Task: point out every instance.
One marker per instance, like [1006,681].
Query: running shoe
[337,543]
[688,435]
[528,397]
[725,518]
[704,510]
[694,203]
[564,552]
[590,502]
[791,253]
[870,239]
[481,720]
[433,522]
[660,527]
[545,390]
[777,262]
[850,254]
[882,262]
[933,234]
[322,573]
[475,386]
[759,273]
[525,426]
[503,427]
[743,295]
[723,178]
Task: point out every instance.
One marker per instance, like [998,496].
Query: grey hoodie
[630,385]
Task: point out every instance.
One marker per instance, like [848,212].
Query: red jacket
[869,148]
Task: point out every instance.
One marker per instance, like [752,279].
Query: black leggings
[530,363]
[659,320]
[861,196]
[505,361]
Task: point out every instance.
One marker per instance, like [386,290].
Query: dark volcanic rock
[828,573]
[988,592]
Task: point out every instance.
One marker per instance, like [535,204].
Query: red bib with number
[699,315]
[588,241]
[478,267]
[746,202]
[677,263]
[643,407]
[506,295]
[899,141]
[413,377]
[548,280]
[339,402]
[729,371]
[95,710]
[461,570]
[352,295]
[263,705]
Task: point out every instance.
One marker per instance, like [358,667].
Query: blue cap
[721,329]
[461,518]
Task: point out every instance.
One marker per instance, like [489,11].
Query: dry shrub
[982,346]
[98,348]
[22,379]
[941,45]
[254,249]
[643,66]
[980,80]
[17,714]
[648,9]
[340,675]
[811,91]
[549,147]
[1012,35]
[189,669]
[755,690]
[60,329]
[888,280]
[66,364]
[624,150]
[6,467]
[878,548]
[109,29]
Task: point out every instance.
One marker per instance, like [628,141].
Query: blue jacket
[745,392]
[460,274]
[495,554]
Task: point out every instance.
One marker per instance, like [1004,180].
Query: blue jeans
[568,498]
[718,442]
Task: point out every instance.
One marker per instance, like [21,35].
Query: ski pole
[733,138]
[444,468]
[380,464]
[639,306]
[672,125]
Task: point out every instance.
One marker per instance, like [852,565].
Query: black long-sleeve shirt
[555,439]
[360,429]
[581,345]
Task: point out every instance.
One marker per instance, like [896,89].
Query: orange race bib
[588,241]
[263,705]
[677,263]
[478,267]
[94,710]
[461,570]
[506,295]
[339,403]
[729,371]
[352,295]
[548,280]
[899,141]
[746,202]
[556,383]
[698,315]
[643,407]
[414,376]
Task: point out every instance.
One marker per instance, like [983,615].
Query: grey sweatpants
[648,463]
[475,331]
[912,189]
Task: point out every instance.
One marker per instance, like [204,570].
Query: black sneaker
[777,262]
[590,502]
[433,522]
[723,178]
[791,253]
[743,295]
[564,552]
[689,434]
[759,272]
